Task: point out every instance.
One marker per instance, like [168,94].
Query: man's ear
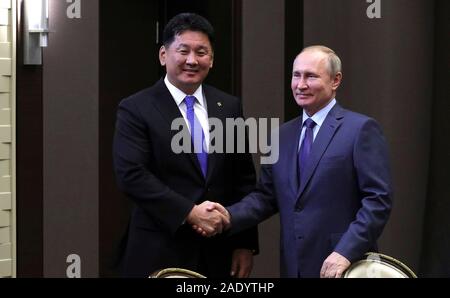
[212,59]
[337,80]
[162,56]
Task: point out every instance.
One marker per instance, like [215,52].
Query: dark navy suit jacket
[344,203]
[165,186]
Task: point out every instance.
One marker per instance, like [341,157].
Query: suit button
[299,208]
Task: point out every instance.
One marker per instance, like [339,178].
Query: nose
[191,59]
[301,85]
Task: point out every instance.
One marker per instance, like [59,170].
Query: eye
[183,50]
[202,52]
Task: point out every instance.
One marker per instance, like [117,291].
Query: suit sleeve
[371,163]
[244,180]
[131,152]
[257,205]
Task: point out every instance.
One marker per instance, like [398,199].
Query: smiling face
[187,60]
[312,84]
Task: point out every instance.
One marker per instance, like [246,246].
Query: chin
[301,103]
[191,82]
[192,79]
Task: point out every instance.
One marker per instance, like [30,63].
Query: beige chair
[376,265]
[175,273]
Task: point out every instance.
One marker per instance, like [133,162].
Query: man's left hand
[334,266]
[241,263]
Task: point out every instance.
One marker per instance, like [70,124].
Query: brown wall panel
[436,234]
[70,117]
[29,144]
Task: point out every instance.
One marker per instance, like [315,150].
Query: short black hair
[187,22]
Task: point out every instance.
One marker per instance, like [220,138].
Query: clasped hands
[209,218]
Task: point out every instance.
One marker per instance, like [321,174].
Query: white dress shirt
[200,108]
[318,117]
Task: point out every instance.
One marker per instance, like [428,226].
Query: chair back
[175,273]
[376,265]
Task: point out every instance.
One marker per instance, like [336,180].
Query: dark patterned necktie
[305,148]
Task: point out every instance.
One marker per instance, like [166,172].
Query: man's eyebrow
[203,47]
[305,72]
[200,47]
[182,45]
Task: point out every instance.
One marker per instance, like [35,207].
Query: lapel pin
[219,103]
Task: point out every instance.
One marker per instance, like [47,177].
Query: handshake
[209,218]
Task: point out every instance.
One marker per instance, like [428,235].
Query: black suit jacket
[165,186]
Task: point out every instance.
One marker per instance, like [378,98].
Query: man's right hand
[208,219]
[213,206]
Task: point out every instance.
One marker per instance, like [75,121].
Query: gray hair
[334,63]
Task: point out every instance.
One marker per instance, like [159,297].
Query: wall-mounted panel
[5,3]
[5,251]
[5,218]
[5,151]
[5,49]
[5,167]
[7,137]
[5,66]
[5,33]
[5,133]
[5,116]
[5,234]
[4,17]
[5,201]
[5,267]
[5,84]
[5,101]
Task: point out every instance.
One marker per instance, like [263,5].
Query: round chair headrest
[175,273]
[376,265]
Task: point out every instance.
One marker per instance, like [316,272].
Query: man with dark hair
[170,190]
[184,22]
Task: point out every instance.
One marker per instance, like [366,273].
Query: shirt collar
[319,117]
[179,95]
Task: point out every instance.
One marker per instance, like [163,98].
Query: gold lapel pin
[219,103]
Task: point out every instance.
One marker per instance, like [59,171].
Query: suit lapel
[323,139]
[291,154]
[215,110]
[167,106]
[165,103]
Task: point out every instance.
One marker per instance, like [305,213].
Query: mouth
[303,95]
[190,71]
